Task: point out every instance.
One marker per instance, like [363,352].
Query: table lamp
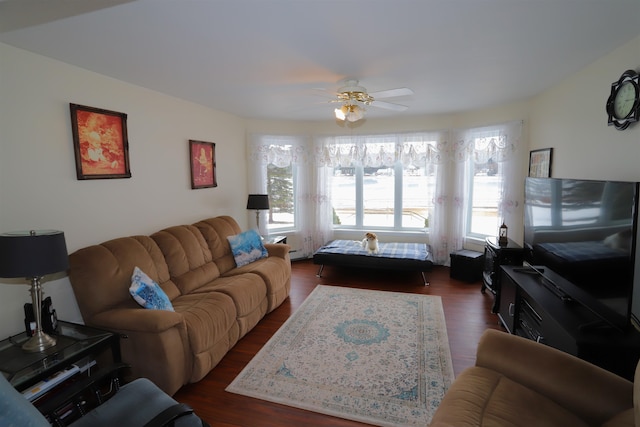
[33,254]
[259,202]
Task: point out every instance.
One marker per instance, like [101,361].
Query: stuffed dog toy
[370,242]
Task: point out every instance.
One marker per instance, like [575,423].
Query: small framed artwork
[540,163]
[203,164]
[100,143]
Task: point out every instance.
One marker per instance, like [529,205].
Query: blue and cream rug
[372,356]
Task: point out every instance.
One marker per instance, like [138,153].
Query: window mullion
[397,195]
[359,196]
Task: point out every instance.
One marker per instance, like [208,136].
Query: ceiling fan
[354,98]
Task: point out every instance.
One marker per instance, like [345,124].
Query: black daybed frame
[392,256]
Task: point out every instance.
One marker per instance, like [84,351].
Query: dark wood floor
[467,314]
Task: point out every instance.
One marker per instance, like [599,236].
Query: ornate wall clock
[623,105]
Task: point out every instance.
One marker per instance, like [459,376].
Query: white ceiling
[268,58]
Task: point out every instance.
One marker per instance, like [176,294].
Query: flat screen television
[585,231]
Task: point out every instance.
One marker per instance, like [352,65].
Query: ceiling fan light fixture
[355,113]
[350,112]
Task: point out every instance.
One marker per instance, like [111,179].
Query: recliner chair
[136,404]
[519,382]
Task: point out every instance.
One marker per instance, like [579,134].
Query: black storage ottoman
[466,265]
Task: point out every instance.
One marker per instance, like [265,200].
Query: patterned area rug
[377,357]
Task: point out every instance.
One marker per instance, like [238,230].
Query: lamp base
[38,342]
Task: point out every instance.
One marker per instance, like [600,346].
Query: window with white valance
[435,181]
[382,181]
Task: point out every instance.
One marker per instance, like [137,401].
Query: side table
[495,256]
[74,342]
[275,239]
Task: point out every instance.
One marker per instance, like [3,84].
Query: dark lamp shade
[32,253]
[258,202]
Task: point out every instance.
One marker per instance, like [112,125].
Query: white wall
[38,185]
[571,118]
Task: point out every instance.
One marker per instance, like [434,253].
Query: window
[382,182]
[486,182]
[458,184]
[281,191]
[274,161]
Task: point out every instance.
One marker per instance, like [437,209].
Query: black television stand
[599,326]
[531,308]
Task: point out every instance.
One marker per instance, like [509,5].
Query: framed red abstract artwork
[203,164]
[100,143]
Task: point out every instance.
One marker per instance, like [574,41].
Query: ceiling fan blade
[389,106]
[323,92]
[392,93]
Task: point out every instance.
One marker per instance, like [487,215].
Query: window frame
[398,194]
[489,132]
[294,190]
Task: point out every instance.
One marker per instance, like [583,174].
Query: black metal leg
[424,278]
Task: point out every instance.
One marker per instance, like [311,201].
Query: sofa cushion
[480,396]
[211,328]
[188,257]
[147,293]
[215,232]
[249,294]
[276,274]
[247,247]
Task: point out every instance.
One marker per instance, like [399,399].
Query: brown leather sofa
[215,302]
[518,382]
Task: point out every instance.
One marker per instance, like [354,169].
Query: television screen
[584,230]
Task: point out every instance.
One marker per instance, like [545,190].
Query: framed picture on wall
[203,164]
[100,143]
[540,163]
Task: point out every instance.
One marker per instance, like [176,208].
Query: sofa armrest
[136,320]
[571,382]
[280,250]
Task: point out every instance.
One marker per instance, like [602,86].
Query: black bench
[391,256]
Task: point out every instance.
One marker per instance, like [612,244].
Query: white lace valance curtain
[497,143]
[415,149]
[278,150]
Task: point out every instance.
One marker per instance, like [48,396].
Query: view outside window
[486,189]
[280,187]
[392,195]
[418,190]
[379,191]
[343,196]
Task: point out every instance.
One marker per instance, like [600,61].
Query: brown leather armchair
[518,382]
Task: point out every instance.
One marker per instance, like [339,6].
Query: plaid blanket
[416,251]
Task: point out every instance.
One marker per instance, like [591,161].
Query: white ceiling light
[349,112]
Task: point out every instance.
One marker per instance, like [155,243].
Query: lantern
[502,235]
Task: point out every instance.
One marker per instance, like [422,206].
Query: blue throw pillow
[148,293]
[247,247]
